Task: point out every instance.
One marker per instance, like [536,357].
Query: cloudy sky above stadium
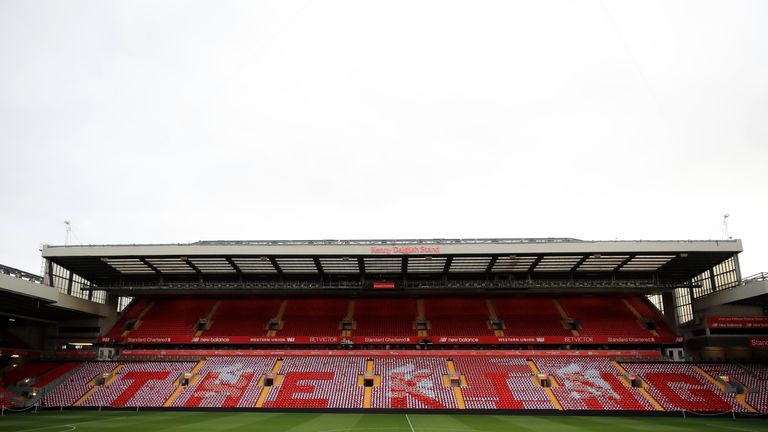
[177,121]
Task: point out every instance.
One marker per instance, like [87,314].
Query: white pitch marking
[409,422]
[73,427]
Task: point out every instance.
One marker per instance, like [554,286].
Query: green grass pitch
[150,421]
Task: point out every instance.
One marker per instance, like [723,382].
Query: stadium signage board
[143,353]
[447,340]
[737,322]
[404,250]
[18,352]
[758,342]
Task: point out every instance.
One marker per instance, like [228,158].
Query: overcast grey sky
[177,121]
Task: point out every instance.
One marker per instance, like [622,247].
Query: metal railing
[365,242]
[755,277]
[21,274]
[127,289]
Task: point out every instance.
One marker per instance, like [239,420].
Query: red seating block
[752,376]
[146,384]
[68,392]
[53,374]
[603,316]
[27,370]
[243,317]
[318,382]
[590,383]
[457,316]
[385,317]
[132,311]
[643,306]
[313,317]
[412,382]
[530,316]
[500,383]
[677,386]
[226,382]
[173,318]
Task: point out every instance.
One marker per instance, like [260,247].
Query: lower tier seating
[679,387]
[592,384]
[754,377]
[139,384]
[417,382]
[500,383]
[7,398]
[412,382]
[74,387]
[226,382]
[318,382]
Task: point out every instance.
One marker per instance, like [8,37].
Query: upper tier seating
[53,374]
[313,317]
[754,378]
[132,311]
[644,307]
[412,382]
[10,340]
[385,317]
[500,383]
[171,318]
[603,316]
[590,383]
[226,382]
[457,316]
[166,319]
[530,316]
[677,386]
[243,317]
[318,382]
[27,370]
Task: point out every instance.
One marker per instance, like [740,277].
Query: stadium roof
[530,259]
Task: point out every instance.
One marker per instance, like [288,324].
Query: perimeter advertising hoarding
[140,353]
[737,322]
[396,340]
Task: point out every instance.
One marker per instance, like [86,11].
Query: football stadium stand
[535,325]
